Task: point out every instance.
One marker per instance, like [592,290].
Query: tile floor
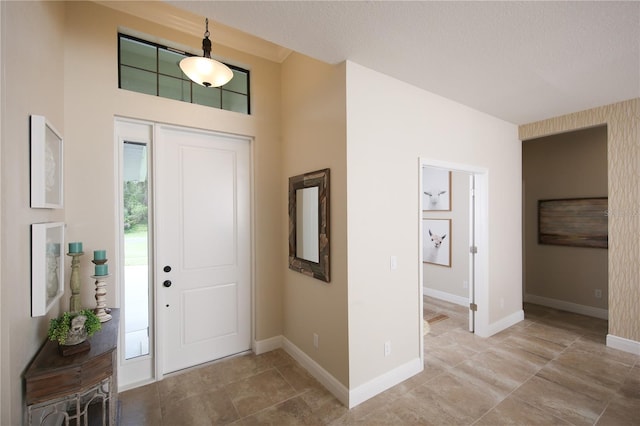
[551,369]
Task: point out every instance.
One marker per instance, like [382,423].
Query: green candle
[75,247]
[102,270]
[99,255]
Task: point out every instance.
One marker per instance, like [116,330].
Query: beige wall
[314,137]
[32,84]
[390,126]
[62,63]
[567,165]
[90,108]
[3,344]
[451,280]
[623,156]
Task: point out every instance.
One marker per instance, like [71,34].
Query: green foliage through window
[135,204]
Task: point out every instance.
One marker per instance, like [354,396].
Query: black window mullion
[159,47]
[157,72]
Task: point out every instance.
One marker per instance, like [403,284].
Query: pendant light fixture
[204,70]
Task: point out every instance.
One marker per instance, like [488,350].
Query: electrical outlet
[393,263]
[465,284]
[598,293]
[387,348]
[315,340]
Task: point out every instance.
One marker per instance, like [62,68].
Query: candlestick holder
[101,292]
[101,297]
[74,282]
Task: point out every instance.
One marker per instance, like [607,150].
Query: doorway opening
[569,277]
[462,215]
[185,250]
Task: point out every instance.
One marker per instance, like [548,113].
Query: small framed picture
[47,266]
[46,165]
[436,241]
[436,189]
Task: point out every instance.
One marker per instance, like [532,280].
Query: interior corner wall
[26,90]
[314,138]
[451,280]
[623,156]
[566,165]
[385,141]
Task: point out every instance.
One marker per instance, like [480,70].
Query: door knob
[167,283]
[167,268]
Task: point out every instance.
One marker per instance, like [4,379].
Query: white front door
[203,241]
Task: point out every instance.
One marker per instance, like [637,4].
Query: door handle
[167,283]
[167,268]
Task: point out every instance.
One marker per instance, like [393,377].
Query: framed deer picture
[436,189]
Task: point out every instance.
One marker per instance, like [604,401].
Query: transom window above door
[150,68]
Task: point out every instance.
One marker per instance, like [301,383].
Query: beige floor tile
[501,371]
[459,399]
[552,368]
[560,401]
[299,378]
[246,366]
[576,322]
[621,412]
[290,412]
[318,398]
[631,386]
[258,392]
[552,334]
[140,406]
[600,370]
[180,385]
[330,411]
[527,360]
[540,347]
[415,408]
[213,376]
[211,408]
[447,350]
[587,345]
[513,411]
[577,381]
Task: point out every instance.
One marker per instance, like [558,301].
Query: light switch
[394,263]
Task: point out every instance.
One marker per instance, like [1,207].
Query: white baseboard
[351,398]
[589,311]
[502,324]
[448,297]
[323,376]
[623,344]
[381,383]
[267,345]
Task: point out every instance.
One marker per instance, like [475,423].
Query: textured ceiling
[519,61]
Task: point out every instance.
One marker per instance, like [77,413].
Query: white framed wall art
[47,266]
[46,165]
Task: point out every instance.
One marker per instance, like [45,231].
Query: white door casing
[203,234]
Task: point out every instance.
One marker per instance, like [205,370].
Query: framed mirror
[309,224]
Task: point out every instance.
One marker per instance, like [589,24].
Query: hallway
[552,368]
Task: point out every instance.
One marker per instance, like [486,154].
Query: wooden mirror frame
[320,179]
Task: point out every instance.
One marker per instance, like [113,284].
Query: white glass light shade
[206,71]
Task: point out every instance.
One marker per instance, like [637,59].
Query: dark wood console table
[75,389]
